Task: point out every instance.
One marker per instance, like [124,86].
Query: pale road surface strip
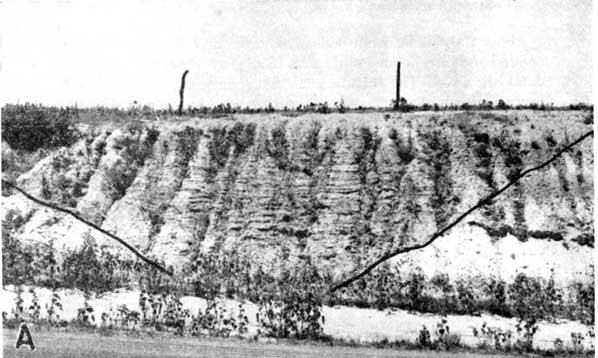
[58,344]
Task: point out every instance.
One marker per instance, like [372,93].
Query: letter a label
[24,337]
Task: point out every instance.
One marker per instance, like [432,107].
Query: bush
[528,306]
[34,309]
[442,333]
[85,316]
[502,105]
[493,337]
[467,300]
[497,302]
[584,303]
[559,346]
[423,339]
[218,146]
[240,137]
[404,149]
[453,341]
[415,289]
[81,267]
[278,147]
[293,315]
[30,127]
[448,303]
[16,261]
[214,321]
[135,150]
[84,269]
[53,309]
[589,118]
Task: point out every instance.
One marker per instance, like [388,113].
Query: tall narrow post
[182,92]
[398,98]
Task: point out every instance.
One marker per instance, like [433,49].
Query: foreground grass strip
[481,203]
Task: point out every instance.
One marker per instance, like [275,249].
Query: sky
[290,52]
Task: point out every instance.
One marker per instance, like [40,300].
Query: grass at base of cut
[74,344]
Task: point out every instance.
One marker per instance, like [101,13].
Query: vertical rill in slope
[394,157]
[227,149]
[510,149]
[437,150]
[338,201]
[201,206]
[125,153]
[362,238]
[140,214]
[187,216]
[167,183]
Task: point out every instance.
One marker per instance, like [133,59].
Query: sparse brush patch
[85,316]
[511,150]
[528,306]
[589,118]
[156,218]
[84,268]
[232,275]
[366,154]
[152,134]
[120,177]
[62,182]
[215,321]
[584,303]
[311,147]
[445,340]
[320,162]
[483,153]
[277,147]
[423,339]
[16,261]
[496,291]
[438,151]
[154,205]
[404,148]
[493,337]
[415,289]
[586,239]
[134,150]
[467,299]
[227,146]
[291,316]
[218,147]
[239,138]
[186,145]
[242,136]
[365,157]
[550,140]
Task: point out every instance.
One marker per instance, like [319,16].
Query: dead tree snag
[182,92]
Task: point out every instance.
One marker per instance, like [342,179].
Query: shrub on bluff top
[30,127]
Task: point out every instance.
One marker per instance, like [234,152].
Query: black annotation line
[481,203]
[90,224]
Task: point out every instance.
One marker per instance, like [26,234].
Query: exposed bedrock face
[342,189]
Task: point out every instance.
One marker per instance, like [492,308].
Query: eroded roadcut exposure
[256,219]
